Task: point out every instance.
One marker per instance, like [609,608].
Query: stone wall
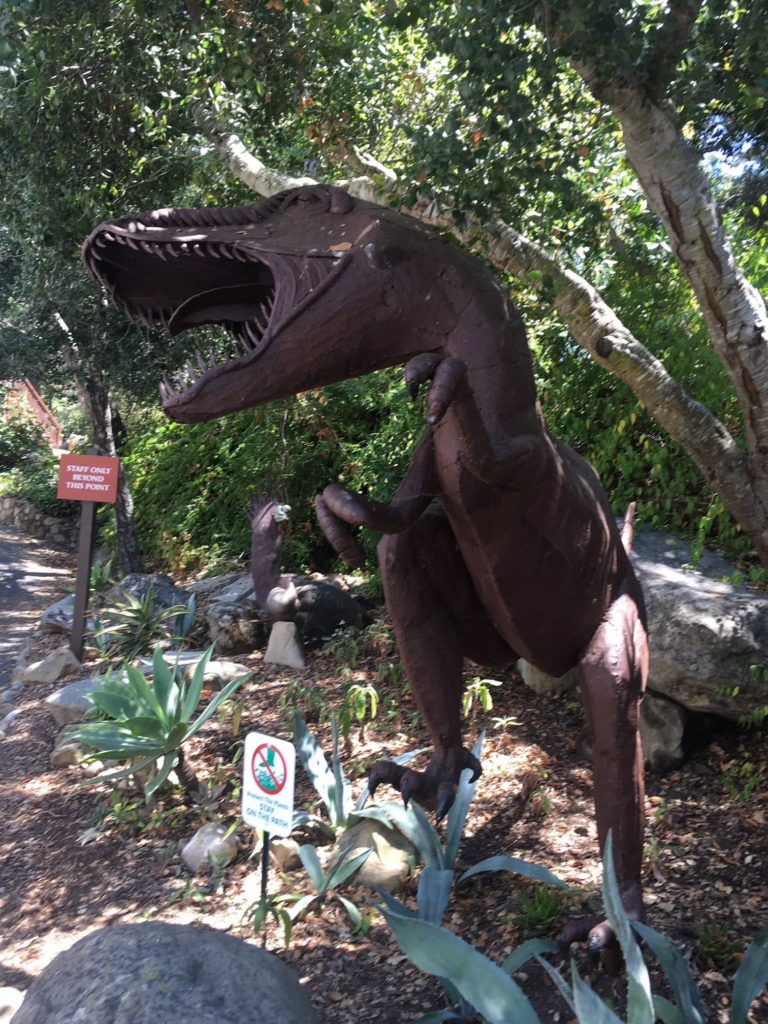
[24,516]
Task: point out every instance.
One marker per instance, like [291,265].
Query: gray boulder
[391,861]
[662,724]
[59,617]
[706,634]
[61,662]
[70,703]
[167,974]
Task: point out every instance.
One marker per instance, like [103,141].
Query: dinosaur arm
[338,509]
[515,453]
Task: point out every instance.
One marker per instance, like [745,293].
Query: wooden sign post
[89,478]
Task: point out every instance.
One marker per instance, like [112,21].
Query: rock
[71,704]
[392,857]
[540,683]
[209,849]
[706,635]
[165,593]
[662,724]
[168,974]
[61,662]
[284,854]
[284,647]
[235,627]
[318,608]
[8,724]
[10,1001]
[212,584]
[5,708]
[67,754]
[59,617]
[12,693]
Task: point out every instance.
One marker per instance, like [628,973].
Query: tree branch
[597,328]
[671,39]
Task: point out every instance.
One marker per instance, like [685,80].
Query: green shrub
[20,439]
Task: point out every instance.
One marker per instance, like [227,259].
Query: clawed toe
[602,946]
[434,788]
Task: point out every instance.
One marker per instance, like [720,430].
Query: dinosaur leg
[613,673]
[438,619]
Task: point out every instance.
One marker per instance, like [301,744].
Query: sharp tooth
[201,363]
[121,240]
[108,235]
[171,249]
[240,256]
[253,335]
[191,371]
[131,243]
[184,248]
[227,251]
[262,319]
[198,250]
[180,379]
[213,249]
[159,252]
[166,389]
[212,359]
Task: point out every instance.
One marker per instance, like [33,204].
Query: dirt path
[32,576]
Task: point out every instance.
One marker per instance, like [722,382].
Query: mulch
[73,859]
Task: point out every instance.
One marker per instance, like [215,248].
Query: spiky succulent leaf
[433,893]
[517,866]
[312,866]
[457,815]
[676,969]
[588,1006]
[481,982]
[751,977]
[195,687]
[224,694]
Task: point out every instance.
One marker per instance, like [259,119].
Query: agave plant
[147,724]
[479,986]
[132,628]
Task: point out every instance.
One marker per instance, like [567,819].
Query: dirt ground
[72,859]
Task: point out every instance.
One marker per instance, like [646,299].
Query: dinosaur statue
[499,542]
[318,608]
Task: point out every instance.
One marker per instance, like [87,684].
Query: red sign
[88,477]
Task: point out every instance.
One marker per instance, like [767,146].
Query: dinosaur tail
[628,529]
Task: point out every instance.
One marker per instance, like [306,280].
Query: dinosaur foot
[435,787]
[597,932]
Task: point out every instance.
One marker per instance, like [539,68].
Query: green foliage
[257,915]
[136,624]
[21,439]
[144,723]
[326,884]
[193,485]
[36,481]
[477,692]
[714,948]
[329,781]
[360,700]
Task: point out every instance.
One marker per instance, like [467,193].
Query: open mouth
[213,269]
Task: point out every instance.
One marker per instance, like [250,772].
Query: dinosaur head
[311,285]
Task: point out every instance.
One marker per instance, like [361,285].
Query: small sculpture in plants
[145,723]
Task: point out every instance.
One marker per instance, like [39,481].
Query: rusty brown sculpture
[499,542]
